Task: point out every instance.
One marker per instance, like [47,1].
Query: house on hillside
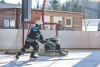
[11,17]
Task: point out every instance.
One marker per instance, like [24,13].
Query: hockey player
[31,40]
[52,43]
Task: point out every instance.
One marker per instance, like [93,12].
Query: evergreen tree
[2,1]
[65,6]
[53,5]
[69,5]
[73,6]
[77,6]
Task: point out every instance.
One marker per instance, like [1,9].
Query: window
[57,18]
[46,19]
[6,23]
[9,23]
[68,22]
[12,23]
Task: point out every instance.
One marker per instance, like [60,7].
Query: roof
[59,11]
[9,5]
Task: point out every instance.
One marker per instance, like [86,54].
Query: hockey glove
[42,41]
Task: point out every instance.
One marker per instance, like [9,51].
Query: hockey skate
[16,57]
[63,53]
[33,58]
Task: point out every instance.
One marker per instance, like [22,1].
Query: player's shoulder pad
[51,38]
[35,28]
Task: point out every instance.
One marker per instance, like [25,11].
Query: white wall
[7,37]
[69,39]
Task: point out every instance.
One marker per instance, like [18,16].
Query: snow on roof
[9,5]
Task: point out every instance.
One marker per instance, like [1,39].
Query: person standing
[60,26]
[31,40]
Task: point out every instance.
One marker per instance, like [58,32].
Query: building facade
[11,17]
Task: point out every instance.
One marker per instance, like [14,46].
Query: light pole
[85,17]
[26,10]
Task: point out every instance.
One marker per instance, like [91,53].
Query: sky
[33,2]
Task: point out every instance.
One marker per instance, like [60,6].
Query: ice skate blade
[15,59]
[33,59]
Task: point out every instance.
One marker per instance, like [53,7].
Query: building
[71,20]
[10,17]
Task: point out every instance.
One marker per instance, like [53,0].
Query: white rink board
[74,39]
[69,39]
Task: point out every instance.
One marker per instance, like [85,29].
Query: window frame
[70,23]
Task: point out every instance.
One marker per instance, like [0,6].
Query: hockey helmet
[57,38]
[38,22]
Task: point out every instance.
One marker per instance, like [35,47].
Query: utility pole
[26,10]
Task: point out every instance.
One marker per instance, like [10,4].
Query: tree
[65,6]
[77,6]
[73,6]
[69,5]
[2,1]
[53,5]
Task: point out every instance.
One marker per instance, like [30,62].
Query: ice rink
[75,58]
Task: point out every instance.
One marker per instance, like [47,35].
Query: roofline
[11,3]
[58,11]
[48,10]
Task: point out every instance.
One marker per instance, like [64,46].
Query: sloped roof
[9,5]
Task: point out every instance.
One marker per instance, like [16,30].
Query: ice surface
[75,58]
